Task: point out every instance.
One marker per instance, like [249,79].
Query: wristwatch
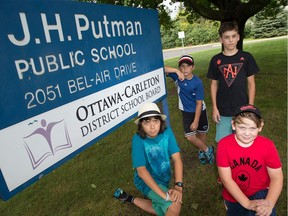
[179,184]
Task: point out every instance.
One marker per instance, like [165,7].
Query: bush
[196,33]
[269,27]
[270,22]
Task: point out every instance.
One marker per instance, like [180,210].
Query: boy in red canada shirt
[249,167]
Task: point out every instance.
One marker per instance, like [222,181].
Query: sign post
[181,35]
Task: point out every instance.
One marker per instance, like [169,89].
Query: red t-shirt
[248,165]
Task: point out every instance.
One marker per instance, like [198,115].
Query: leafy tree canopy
[220,10]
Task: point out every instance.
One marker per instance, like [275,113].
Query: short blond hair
[250,115]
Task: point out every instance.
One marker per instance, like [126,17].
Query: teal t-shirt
[154,154]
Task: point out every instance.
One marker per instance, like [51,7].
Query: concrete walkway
[178,51]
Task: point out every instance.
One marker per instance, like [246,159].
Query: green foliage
[272,9]
[84,185]
[169,38]
[270,22]
[199,32]
[266,27]
[248,31]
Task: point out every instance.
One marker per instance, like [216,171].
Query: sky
[173,8]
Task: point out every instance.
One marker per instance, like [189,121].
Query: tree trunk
[241,26]
[228,10]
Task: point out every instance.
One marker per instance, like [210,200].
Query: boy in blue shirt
[191,103]
[153,146]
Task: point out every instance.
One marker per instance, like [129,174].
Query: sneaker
[210,155]
[121,195]
[202,157]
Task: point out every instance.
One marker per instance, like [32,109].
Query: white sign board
[181,35]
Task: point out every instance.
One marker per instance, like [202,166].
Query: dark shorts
[235,209]
[188,118]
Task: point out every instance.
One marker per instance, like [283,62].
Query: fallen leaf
[194,206]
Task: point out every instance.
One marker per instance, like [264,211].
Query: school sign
[71,73]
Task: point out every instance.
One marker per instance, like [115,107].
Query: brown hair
[228,26]
[141,131]
[252,116]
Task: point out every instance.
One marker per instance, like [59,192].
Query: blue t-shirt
[154,154]
[189,91]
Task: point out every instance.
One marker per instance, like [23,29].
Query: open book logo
[46,140]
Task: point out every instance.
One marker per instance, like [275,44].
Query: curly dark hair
[141,131]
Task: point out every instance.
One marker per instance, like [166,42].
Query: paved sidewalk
[178,51]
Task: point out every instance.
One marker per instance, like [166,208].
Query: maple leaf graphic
[242,177]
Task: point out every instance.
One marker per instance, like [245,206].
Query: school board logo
[46,140]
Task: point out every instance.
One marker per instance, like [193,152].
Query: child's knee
[191,138]
[174,209]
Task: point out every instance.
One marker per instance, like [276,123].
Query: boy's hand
[175,195]
[259,206]
[194,126]
[216,115]
[181,76]
[252,204]
[263,208]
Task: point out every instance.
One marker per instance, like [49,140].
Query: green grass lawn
[85,184]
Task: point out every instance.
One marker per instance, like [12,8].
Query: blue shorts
[235,209]
[223,128]
[158,203]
